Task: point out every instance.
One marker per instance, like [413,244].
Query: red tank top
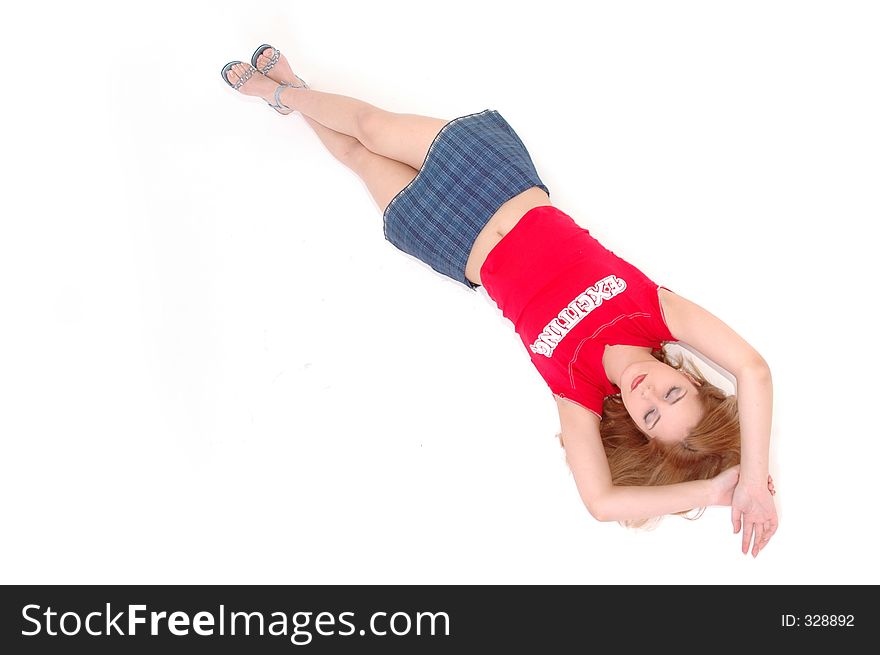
[568,297]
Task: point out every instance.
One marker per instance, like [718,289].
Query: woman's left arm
[753,510]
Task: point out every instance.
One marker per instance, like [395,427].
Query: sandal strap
[276,54]
[244,78]
[284,85]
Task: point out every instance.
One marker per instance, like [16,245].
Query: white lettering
[178,623]
[113,622]
[89,624]
[573,313]
[134,619]
[24,614]
[281,622]
[247,621]
[155,617]
[49,614]
[202,621]
[76,622]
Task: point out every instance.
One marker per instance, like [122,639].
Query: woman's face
[664,404]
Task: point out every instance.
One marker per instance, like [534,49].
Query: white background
[214,369]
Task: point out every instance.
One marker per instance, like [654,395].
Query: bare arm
[753,507]
[755,405]
[608,502]
[696,327]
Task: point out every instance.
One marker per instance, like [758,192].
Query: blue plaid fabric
[475,164]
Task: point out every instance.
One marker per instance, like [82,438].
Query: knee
[369,124]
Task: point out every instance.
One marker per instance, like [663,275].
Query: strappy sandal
[242,79]
[272,61]
[249,73]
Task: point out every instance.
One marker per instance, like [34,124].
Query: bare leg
[404,137]
[383,176]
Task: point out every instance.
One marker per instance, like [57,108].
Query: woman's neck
[616,358]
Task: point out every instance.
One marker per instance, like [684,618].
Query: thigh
[403,137]
[384,177]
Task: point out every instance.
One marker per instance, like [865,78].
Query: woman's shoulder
[666,298]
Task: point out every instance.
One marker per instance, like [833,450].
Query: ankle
[289,95]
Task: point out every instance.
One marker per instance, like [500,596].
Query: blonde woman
[644,436]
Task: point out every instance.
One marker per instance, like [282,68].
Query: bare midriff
[499,225]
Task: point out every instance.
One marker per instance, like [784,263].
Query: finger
[760,545]
[769,529]
[736,519]
[748,528]
[759,539]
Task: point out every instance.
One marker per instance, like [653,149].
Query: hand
[724,483]
[753,511]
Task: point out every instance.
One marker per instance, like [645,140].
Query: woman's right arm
[586,458]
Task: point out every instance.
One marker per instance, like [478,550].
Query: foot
[258,85]
[281,71]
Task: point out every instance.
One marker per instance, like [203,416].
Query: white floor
[213,368]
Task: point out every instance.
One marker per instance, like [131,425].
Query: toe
[231,76]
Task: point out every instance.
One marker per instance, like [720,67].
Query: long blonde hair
[712,446]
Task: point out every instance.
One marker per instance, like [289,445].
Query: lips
[636,382]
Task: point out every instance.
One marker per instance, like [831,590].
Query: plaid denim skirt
[475,164]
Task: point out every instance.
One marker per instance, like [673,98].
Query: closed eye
[654,411]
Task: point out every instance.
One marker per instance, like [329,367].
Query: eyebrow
[672,403]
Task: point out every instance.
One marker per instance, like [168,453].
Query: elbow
[599,510]
[602,517]
[757,368]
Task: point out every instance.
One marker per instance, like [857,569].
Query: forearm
[622,503]
[754,391]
